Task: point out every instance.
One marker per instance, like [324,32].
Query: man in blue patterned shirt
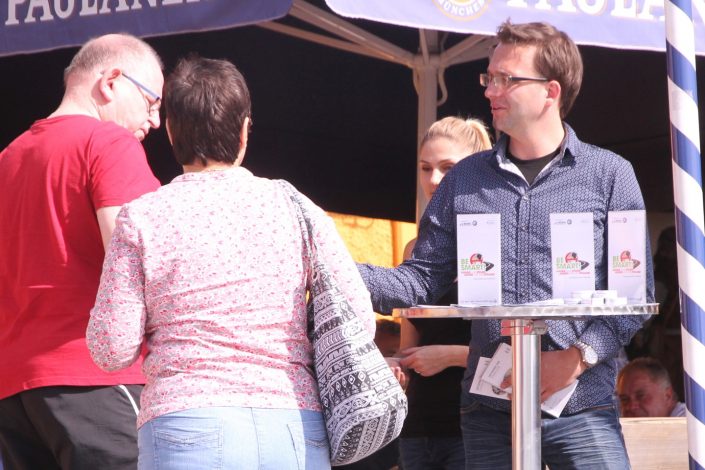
[538,167]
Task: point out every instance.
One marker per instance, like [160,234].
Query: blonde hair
[471,134]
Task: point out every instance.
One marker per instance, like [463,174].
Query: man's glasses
[502,81]
[153,105]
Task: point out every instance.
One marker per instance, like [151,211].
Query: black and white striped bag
[363,404]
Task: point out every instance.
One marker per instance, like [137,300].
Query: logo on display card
[571,264]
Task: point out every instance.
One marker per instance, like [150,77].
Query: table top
[551,312]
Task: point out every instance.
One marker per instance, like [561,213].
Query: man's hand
[558,370]
[430,360]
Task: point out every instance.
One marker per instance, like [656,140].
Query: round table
[525,324]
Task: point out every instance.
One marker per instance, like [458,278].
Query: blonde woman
[435,351]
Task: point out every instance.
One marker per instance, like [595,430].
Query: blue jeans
[432,453]
[234,438]
[591,439]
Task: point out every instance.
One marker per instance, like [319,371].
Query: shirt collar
[567,147]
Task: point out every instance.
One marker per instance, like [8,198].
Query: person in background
[387,336]
[209,271]
[644,390]
[538,166]
[61,184]
[435,352]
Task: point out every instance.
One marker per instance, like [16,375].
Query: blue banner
[623,24]
[37,25]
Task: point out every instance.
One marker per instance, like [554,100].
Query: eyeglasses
[152,106]
[502,81]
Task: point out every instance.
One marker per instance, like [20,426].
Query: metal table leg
[526,392]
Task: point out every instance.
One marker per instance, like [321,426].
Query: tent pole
[690,223]
[426,75]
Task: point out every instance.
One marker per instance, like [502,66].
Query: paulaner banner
[622,24]
[37,25]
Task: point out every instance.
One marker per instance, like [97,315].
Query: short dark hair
[206,102]
[557,56]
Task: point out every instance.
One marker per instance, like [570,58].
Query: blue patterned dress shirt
[581,178]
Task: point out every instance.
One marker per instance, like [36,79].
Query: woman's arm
[117,322]
[430,360]
[333,252]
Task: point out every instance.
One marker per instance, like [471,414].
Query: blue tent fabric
[38,25]
[621,24]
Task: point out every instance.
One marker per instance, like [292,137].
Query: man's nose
[154,119]
[491,90]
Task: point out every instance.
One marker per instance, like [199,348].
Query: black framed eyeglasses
[502,81]
[156,99]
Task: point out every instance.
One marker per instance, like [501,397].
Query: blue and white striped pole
[690,226]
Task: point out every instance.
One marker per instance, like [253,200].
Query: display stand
[525,324]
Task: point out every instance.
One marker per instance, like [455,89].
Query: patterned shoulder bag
[363,404]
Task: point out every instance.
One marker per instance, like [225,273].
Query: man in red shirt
[62,183]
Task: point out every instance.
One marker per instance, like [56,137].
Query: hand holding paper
[559,369]
[558,377]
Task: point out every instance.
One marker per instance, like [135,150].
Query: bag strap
[308,247]
[304,222]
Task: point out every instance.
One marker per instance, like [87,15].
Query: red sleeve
[119,171]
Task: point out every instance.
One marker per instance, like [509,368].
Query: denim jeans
[234,438]
[591,439]
[432,453]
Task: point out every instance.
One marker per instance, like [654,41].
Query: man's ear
[107,82]
[553,93]
[554,89]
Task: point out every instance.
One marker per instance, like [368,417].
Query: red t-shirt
[53,178]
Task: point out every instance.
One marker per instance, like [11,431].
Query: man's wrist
[588,356]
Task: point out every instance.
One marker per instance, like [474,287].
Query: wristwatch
[588,354]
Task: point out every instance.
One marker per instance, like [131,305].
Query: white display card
[572,253]
[479,259]
[626,254]
[500,366]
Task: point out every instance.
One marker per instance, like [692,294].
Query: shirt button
[524,228]
[525,197]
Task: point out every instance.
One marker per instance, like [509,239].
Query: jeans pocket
[310,440]
[187,443]
[209,439]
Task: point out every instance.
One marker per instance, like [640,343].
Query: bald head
[116,78]
[112,50]
[645,390]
